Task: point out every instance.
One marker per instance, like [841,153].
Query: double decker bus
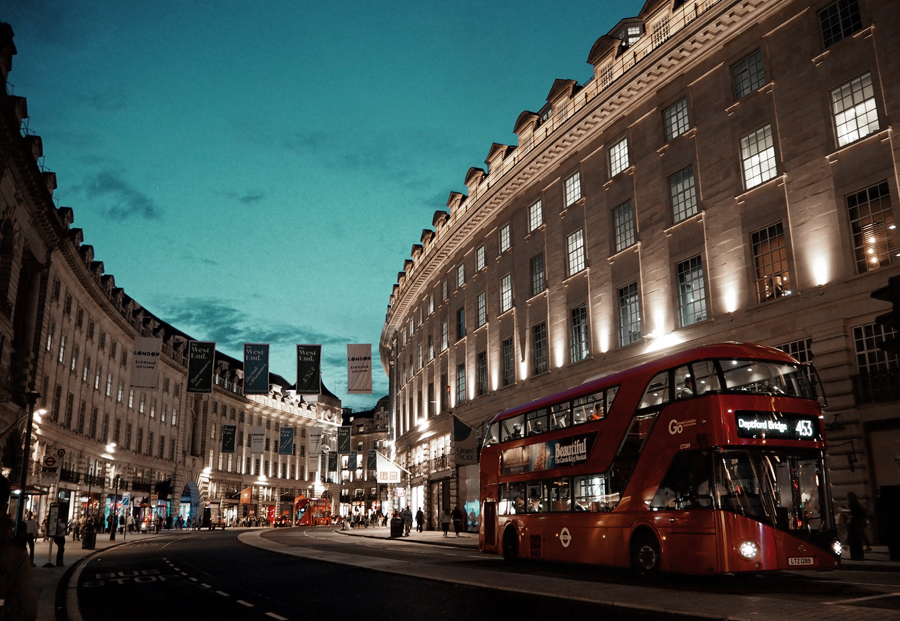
[711,460]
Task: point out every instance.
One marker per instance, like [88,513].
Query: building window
[460,384]
[684,194]
[676,120]
[839,21]
[618,157]
[79,318]
[90,329]
[62,349]
[430,303]
[460,275]
[535,216]
[506,298]
[629,315]
[509,367]
[92,429]
[504,238]
[691,292]
[758,157]
[855,115]
[79,427]
[479,259]
[120,391]
[623,224]
[580,348]
[104,433]
[117,428]
[142,401]
[481,309]
[541,355]
[86,369]
[573,189]
[445,340]
[481,372]
[575,252]
[660,31]
[869,356]
[445,291]
[430,352]
[109,381]
[67,305]
[606,75]
[871,218]
[70,406]
[749,75]
[770,259]
[538,282]
[460,323]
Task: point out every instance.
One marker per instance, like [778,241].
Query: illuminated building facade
[729,173]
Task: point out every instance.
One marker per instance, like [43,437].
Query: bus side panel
[688,540]
[576,538]
[488,541]
[737,529]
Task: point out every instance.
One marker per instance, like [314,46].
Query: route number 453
[804,428]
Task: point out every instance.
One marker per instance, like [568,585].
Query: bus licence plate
[801,560]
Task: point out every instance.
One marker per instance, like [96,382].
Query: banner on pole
[246,495]
[257,439]
[332,462]
[309,364]
[359,369]
[256,368]
[286,441]
[315,442]
[351,461]
[464,441]
[145,362]
[387,471]
[344,439]
[201,356]
[372,460]
[228,433]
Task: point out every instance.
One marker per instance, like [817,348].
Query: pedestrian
[407,520]
[31,533]
[856,533]
[420,520]
[20,600]
[44,529]
[129,522]
[60,540]
[457,517]
[445,521]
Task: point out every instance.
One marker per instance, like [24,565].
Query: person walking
[407,520]
[31,534]
[420,520]
[856,534]
[19,595]
[457,517]
[60,540]
[445,521]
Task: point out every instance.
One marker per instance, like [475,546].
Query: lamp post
[115,514]
[31,398]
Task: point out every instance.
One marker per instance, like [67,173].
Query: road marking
[194,579]
[184,573]
[222,593]
[863,599]
[205,586]
[175,568]
[243,603]
[274,616]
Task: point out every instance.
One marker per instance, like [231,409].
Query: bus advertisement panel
[711,460]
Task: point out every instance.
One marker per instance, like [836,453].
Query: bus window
[537,497]
[685,386]
[611,396]
[589,407]
[630,451]
[770,378]
[687,484]
[560,494]
[657,391]
[536,422]
[706,379]
[513,498]
[493,434]
[560,416]
[511,428]
[590,492]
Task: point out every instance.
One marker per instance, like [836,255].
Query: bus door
[684,516]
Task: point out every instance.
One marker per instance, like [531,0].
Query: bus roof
[704,352]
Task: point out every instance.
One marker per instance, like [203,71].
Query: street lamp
[115,524]
[31,398]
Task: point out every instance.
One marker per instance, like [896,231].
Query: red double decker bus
[710,460]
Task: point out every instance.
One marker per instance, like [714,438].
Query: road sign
[61,453]
[49,463]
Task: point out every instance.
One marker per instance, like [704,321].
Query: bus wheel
[645,557]
[510,545]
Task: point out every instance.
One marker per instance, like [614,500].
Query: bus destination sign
[570,451]
[777,426]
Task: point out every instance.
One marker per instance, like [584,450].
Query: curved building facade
[728,174]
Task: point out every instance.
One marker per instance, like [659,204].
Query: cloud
[247,198]
[123,199]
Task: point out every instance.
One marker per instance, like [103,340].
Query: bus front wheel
[645,556]
[510,545]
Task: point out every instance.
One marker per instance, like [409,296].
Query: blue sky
[258,171]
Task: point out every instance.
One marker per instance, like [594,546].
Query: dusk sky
[258,171]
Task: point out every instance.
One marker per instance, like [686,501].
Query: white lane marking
[274,616]
[205,586]
[243,603]
[175,568]
[184,573]
[194,579]
[222,593]
[863,599]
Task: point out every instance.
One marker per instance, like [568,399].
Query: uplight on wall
[661,342]
[820,270]
[730,299]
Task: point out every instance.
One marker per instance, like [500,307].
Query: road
[303,573]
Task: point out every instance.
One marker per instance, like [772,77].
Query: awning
[30,490]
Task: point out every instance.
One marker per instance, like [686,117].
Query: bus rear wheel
[645,556]
[510,545]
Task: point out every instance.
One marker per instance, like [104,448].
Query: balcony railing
[877,387]
[69,476]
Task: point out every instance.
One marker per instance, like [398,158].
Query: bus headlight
[837,547]
[749,549]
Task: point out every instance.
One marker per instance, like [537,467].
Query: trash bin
[88,539]
[397,527]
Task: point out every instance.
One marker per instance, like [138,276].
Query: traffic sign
[49,462]
[61,453]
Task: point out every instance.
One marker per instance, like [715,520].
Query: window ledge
[765,89]
[507,311]
[621,173]
[882,135]
[777,179]
[635,246]
[584,271]
[538,229]
[536,296]
[578,203]
[697,217]
[690,133]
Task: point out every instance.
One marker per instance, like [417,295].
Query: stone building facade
[66,345]
[728,174]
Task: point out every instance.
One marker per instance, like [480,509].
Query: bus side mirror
[816,384]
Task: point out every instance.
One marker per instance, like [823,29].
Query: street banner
[228,433]
[286,441]
[201,356]
[359,369]
[344,439]
[351,461]
[309,363]
[464,443]
[387,471]
[372,460]
[145,362]
[256,368]
[246,495]
[315,442]
[332,462]
[257,439]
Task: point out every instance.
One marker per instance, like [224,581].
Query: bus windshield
[786,490]
[768,378]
